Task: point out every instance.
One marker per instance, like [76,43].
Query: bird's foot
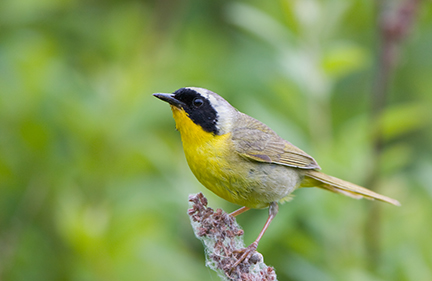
[245,254]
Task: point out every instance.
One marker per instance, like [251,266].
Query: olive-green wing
[256,141]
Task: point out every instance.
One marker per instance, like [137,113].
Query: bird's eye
[197,102]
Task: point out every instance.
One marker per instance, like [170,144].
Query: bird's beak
[169,98]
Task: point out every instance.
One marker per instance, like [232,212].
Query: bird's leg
[247,252]
[239,211]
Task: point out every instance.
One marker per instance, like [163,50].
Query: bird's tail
[321,180]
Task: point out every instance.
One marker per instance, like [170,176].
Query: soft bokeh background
[93,180]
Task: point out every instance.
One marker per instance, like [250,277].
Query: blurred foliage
[93,181]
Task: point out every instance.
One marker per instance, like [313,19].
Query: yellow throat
[205,153]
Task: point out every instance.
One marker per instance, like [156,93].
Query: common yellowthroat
[242,160]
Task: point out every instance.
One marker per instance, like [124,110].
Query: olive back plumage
[255,140]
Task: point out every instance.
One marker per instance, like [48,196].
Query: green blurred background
[93,180]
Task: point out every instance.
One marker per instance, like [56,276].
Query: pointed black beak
[169,98]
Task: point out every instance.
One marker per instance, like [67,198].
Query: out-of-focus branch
[223,241]
[394,26]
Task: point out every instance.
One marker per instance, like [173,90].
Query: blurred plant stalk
[394,25]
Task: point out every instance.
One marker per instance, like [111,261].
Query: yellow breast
[208,156]
[216,166]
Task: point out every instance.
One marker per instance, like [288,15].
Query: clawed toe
[245,254]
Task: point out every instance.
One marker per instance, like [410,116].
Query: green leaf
[402,119]
[343,58]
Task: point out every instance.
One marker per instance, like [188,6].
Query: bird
[243,161]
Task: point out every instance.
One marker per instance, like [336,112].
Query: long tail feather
[319,179]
